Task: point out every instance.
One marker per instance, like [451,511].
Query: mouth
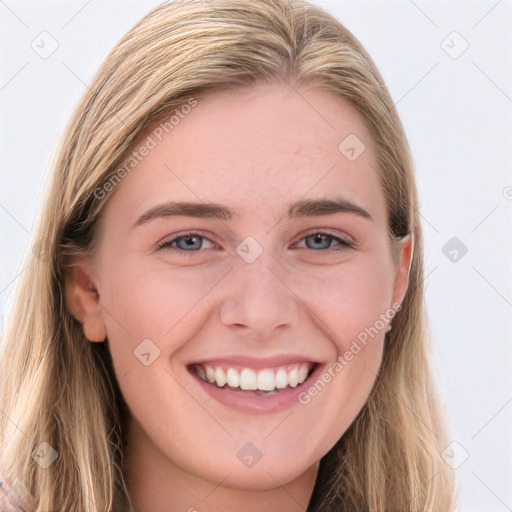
[267,381]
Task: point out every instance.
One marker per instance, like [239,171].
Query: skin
[255,151]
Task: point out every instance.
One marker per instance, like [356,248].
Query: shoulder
[8,499]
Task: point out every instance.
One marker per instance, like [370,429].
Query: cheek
[156,303]
[143,299]
[354,302]
[351,298]
[151,315]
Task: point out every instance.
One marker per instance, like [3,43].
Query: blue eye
[188,242]
[322,242]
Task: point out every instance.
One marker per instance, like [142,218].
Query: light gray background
[457,113]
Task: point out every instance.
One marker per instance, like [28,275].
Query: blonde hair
[59,388]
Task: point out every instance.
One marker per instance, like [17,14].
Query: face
[235,321]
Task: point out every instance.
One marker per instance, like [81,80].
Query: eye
[186,242]
[320,241]
[317,241]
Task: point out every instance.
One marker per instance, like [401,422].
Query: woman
[228,312]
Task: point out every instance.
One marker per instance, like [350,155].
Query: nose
[259,299]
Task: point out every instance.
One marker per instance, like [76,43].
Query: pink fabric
[8,500]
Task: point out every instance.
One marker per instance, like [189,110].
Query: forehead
[255,150]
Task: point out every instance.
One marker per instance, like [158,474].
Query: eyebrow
[301,208]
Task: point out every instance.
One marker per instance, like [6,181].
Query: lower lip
[258,404]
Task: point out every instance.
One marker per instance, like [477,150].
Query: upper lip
[255,363]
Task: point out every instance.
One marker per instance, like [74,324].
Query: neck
[155,484]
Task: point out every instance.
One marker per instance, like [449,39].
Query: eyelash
[343,243]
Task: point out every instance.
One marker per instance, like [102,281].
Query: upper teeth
[266,379]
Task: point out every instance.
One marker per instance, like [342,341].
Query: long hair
[58,388]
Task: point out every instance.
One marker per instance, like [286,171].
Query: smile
[264,381]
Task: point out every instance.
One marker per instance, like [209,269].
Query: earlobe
[82,300]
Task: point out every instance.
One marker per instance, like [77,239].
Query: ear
[83,300]
[403,262]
